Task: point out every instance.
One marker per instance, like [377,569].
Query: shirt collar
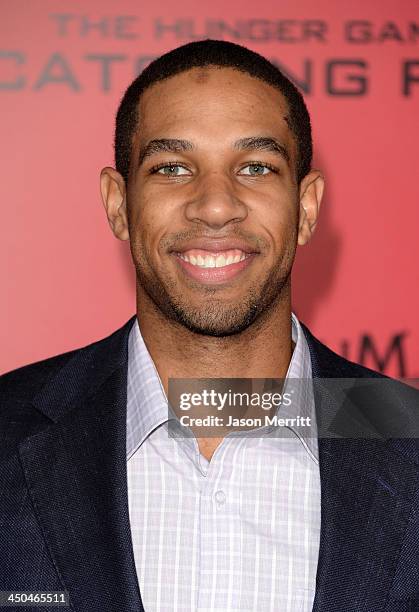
[147,402]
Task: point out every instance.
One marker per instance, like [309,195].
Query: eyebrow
[263,143]
[166,145]
[176,145]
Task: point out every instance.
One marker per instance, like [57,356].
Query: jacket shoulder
[18,387]
[24,382]
[35,375]
[391,406]
[328,364]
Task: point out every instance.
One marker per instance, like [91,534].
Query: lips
[214,260]
[216,245]
[210,259]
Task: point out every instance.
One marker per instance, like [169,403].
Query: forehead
[212,100]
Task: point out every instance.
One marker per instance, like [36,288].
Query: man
[214,189]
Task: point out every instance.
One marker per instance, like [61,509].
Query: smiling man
[214,190]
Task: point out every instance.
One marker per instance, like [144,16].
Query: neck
[263,350]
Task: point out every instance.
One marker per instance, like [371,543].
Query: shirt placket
[218,538]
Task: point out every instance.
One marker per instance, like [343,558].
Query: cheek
[146,214]
[151,218]
[155,203]
[151,226]
[278,216]
[276,197]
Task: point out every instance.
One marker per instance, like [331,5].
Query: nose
[215,202]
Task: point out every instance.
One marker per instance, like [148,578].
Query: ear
[311,193]
[112,187]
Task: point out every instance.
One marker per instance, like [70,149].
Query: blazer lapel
[367,489]
[76,475]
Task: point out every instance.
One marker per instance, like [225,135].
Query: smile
[214,267]
[205,259]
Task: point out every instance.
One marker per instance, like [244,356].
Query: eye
[170,170]
[257,169]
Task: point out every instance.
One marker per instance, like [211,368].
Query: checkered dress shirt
[239,532]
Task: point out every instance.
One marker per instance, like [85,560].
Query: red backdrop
[63,68]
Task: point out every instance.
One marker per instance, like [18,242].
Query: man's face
[213,203]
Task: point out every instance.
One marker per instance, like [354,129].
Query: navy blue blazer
[64,522]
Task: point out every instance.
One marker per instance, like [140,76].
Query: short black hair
[212,53]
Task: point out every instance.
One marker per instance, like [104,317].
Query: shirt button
[220,497]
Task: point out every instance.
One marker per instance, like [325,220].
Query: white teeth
[210,261]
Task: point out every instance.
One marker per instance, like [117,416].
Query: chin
[222,322]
